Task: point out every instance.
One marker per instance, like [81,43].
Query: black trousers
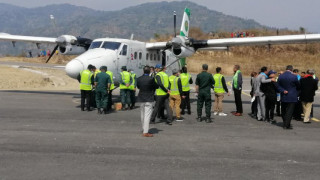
[270,106]
[86,99]
[185,103]
[287,110]
[278,108]
[162,101]
[238,101]
[93,102]
[297,111]
[109,107]
[133,98]
[254,107]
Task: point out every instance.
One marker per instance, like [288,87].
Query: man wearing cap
[102,83]
[260,92]
[175,92]
[162,95]
[309,86]
[204,83]
[132,88]
[186,80]
[125,82]
[86,80]
[270,92]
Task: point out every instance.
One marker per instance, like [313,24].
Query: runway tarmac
[43,135]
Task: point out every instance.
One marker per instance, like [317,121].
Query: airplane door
[123,58]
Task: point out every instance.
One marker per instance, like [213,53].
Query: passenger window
[151,57]
[140,55]
[124,50]
[135,55]
[158,57]
[147,57]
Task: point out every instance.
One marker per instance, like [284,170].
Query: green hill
[143,20]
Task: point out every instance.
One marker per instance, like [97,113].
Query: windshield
[111,45]
[95,44]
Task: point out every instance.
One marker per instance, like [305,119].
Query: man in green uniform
[102,83]
[204,83]
[132,88]
[109,107]
[86,80]
[125,82]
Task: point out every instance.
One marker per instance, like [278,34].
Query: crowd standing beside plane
[293,92]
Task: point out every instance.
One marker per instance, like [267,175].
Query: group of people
[291,92]
[241,34]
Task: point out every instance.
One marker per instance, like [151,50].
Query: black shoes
[208,120]
[189,112]
[169,123]
[183,113]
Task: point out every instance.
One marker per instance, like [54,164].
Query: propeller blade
[175,23]
[52,53]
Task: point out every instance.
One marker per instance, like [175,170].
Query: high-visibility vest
[174,85]
[165,81]
[85,82]
[125,77]
[218,87]
[133,76]
[111,77]
[185,78]
[96,72]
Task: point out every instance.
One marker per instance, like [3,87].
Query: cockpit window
[111,45]
[95,44]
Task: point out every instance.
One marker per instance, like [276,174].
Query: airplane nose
[73,68]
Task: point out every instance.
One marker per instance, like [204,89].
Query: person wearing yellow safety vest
[86,80]
[93,94]
[125,83]
[186,80]
[220,88]
[132,88]
[175,92]
[237,89]
[109,107]
[162,95]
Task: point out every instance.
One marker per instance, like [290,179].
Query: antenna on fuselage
[132,36]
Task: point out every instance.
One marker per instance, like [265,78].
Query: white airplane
[115,53]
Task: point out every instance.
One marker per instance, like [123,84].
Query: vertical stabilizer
[185,26]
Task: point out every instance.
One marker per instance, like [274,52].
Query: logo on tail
[185,23]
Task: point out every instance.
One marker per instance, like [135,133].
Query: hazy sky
[276,13]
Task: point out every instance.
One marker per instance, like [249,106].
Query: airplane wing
[223,44]
[33,39]
[266,40]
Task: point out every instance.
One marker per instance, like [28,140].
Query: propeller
[62,42]
[52,53]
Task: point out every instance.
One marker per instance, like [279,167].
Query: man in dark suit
[147,87]
[288,85]
[309,86]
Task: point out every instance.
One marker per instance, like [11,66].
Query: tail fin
[185,23]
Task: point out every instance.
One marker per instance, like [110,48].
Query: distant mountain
[143,20]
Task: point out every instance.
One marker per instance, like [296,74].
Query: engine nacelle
[71,50]
[69,45]
[183,52]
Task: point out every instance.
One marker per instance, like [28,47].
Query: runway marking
[229,83]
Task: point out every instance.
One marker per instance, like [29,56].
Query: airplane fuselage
[115,53]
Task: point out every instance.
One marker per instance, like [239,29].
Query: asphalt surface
[43,135]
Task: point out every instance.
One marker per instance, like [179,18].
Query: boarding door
[123,57]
